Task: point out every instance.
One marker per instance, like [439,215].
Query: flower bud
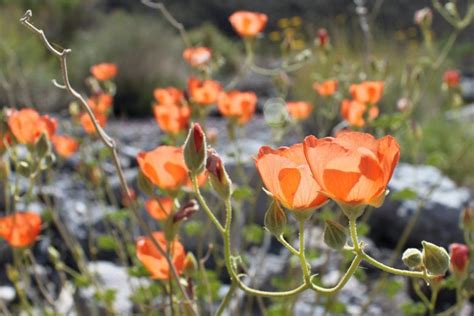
[323,38]
[42,146]
[53,254]
[435,258]
[195,149]
[219,178]
[186,211]
[459,260]
[412,258]
[423,17]
[334,235]
[190,263]
[24,168]
[275,219]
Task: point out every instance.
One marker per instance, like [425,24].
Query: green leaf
[242,193]
[404,195]
[106,243]
[336,307]
[392,287]
[118,216]
[410,309]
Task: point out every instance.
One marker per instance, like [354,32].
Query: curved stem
[227,298]
[304,263]
[287,245]
[204,205]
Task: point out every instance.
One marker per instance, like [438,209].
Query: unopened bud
[42,146]
[334,235]
[74,109]
[451,8]
[424,17]
[24,168]
[459,258]
[186,211]
[435,258]
[53,254]
[190,263]
[275,219]
[195,149]
[412,258]
[323,38]
[218,176]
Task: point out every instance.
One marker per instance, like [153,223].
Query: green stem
[304,263]
[290,248]
[227,298]
[204,205]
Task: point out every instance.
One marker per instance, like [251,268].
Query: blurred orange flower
[65,146]
[326,88]
[88,125]
[248,24]
[203,92]
[238,105]
[287,176]
[100,103]
[452,78]
[197,56]
[355,112]
[353,168]
[168,96]
[159,208]
[164,166]
[368,92]
[20,229]
[27,125]
[104,71]
[299,110]
[172,118]
[154,262]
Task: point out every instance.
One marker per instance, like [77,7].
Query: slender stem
[204,205]
[302,255]
[287,245]
[227,298]
[434,298]
[420,294]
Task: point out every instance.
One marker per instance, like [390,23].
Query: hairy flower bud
[275,219]
[186,211]
[459,254]
[195,149]
[412,258]
[219,178]
[435,258]
[334,235]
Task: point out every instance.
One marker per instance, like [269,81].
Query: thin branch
[108,142]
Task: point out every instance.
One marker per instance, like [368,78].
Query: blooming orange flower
[87,122]
[164,166]
[354,112]
[197,56]
[353,168]
[172,118]
[27,125]
[168,96]
[287,176]
[248,24]
[154,262]
[160,208]
[236,104]
[299,110]
[65,146]
[100,103]
[104,71]
[20,229]
[367,91]
[452,78]
[203,92]
[326,88]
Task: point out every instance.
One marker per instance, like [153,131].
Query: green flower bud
[334,235]
[275,219]
[195,149]
[190,263]
[53,254]
[435,258]
[42,146]
[24,168]
[218,176]
[412,258]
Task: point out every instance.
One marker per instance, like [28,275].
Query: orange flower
[287,176]
[299,110]
[326,88]
[20,229]
[197,56]
[367,91]
[154,262]
[172,118]
[248,24]
[354,112]
[104,71]
[65,146]
[452,78]
[160,208]
[168,96]
[203,92]
[87,122]
[236,104]
[164,166]
[27,125]
[100,103]
[353,168]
